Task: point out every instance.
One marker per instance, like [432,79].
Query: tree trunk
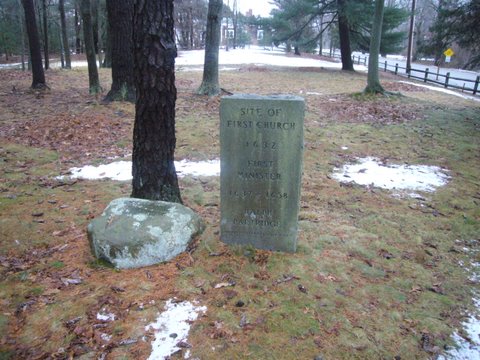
[209,84]
[45,34]
[120,17]
[97,30]
[95,24]
[63,24]
[94,82]
[38,74]
[21,25]
[410,37]
[235,23]
[153,170]
[62,57]
[78,42]
[320,40]
[344,33]
[190,24]
[107,60]
[373,81]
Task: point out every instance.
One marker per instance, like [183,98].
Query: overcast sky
[259,7]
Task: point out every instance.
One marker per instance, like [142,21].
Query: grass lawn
[375,276]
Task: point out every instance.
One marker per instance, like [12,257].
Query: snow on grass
[201,168]
[118,170]
[122,170]
[440,89]
[467,347]
[371,172]
[172,327]
[464,349]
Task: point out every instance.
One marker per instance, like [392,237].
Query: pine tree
[154,176]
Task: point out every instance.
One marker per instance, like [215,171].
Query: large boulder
[133,233]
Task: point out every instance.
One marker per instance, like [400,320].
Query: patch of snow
[446,91]
[172,326]
[122,170]
[201,168]
[371,172]
[344,148]
[105,316]
[466,349]
[118,170]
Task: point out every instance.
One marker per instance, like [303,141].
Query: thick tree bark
[344,33]
[63,24]
[120,17]
[154,175]
[373,81]
[45,34]
[209,84]
[93,80]
[38,75]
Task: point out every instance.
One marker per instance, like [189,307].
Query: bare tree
[120,17]
[63,24]
[45,33]
[38,75]
[93,80]
[209,84]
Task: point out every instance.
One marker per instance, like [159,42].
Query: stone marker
[132,233]
[261,147]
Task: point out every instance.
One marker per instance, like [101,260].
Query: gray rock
[133,233]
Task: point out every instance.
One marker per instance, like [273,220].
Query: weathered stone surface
[133,233]
[261,141]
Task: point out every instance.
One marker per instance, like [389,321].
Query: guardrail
[424,75]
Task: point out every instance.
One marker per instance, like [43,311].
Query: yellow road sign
[449,52]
